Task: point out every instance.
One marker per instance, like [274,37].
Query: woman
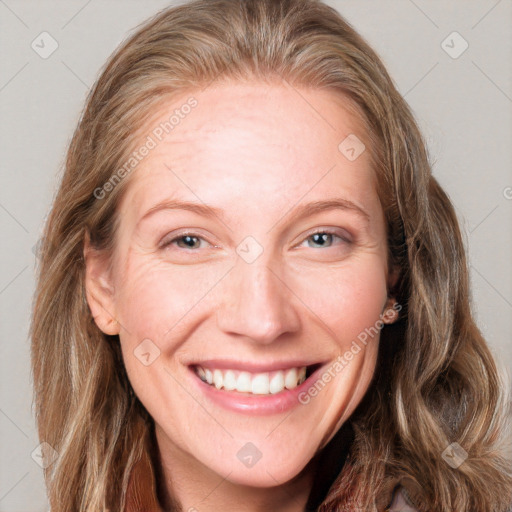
[253,294]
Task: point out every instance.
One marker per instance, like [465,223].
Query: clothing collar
[142,494]
[142,489]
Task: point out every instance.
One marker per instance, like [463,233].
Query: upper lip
[254,367]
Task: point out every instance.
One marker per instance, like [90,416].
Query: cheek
[347,299]
[157,305]
[154,299]
[349,305]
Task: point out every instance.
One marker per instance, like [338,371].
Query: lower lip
[256,404]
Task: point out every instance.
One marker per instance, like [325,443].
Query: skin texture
[256,151]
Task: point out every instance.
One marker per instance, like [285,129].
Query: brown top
[142,494]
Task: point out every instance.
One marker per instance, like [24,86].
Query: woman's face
[238,290]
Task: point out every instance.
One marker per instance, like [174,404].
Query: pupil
[189,240]
[320,237]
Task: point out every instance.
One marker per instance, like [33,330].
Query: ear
[393,276]
[99,289]
[391,310]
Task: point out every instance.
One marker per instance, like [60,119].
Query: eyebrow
[301,211]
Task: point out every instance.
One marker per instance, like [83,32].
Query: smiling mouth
[261,383]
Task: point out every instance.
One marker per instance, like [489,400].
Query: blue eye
[324,238]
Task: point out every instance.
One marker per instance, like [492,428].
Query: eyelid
[172,237]
[341,233]
[337,231]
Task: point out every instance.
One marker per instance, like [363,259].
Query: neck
[197,488]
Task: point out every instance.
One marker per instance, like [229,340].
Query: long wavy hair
[436,381]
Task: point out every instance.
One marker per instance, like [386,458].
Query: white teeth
[229,380]
[217,378]
[290,379]
[260,384]
[201,373]
[263,383]
[277,383]
[243,382]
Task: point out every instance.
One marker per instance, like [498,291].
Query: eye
[325,237]
[321,238]
[184,241]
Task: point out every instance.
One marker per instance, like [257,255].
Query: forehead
[255,143]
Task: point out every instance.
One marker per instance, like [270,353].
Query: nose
[257,303]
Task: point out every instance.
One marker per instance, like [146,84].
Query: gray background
[463,105]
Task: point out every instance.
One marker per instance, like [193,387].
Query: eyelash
[327,232]
[195,235]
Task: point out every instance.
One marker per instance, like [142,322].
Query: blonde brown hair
[436,381]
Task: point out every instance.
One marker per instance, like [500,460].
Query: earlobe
[391,311]
[99,289]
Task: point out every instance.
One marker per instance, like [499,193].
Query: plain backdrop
[458,85]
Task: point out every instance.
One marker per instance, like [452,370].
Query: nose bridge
[257,303]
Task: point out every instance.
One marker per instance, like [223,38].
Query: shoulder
[401,501]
